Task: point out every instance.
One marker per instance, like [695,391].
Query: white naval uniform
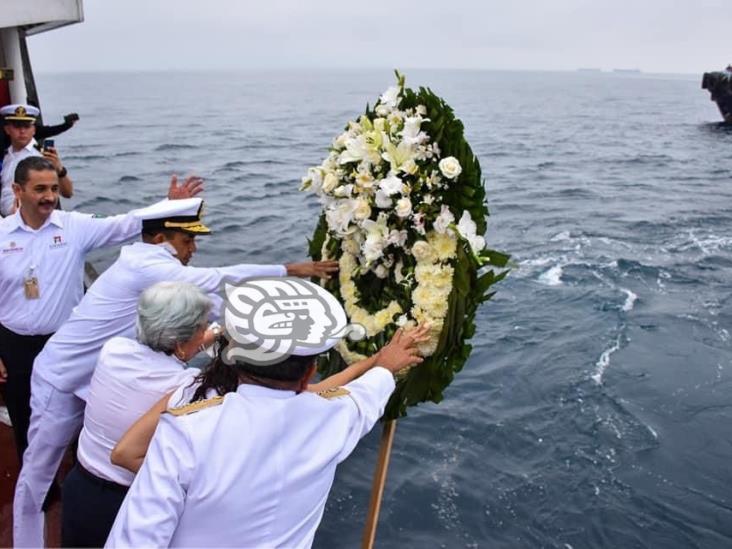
[7,176]
[254,471]
[129,379]
[63,370]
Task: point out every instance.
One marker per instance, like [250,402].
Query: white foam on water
[538,262]
[552,277]
[604,361]
[629,300]
[564,235]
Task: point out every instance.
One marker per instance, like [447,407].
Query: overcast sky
[681,36]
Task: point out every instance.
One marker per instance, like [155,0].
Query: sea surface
[596,409]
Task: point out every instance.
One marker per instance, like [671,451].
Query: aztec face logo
[267,319]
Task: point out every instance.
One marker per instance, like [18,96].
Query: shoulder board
[195,406]
[335,392]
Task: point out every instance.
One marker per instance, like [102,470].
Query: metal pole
[377,490]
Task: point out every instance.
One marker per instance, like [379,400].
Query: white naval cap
[20,113]
[177,215]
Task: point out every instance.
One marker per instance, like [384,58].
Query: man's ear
[5,129]
[16,190]
[159,238]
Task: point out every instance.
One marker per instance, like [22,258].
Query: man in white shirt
[42,253]
[254,468]
[63,370]
[19,123]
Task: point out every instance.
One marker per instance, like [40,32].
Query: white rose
[379,124]
[382,200]
[403,207]
[450,167]
[443,220]
[361,209]
[330,182]
[423,252]
[391,185]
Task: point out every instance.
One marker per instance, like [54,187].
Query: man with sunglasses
[19,124]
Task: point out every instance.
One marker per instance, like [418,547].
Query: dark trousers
[89,506]
[18,353]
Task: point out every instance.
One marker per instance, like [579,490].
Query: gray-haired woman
[129,378]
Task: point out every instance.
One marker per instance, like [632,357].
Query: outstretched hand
[401,352]
[322,269]
[190,187]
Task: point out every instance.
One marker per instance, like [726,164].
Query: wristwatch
[62,172]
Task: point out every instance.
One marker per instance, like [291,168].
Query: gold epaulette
[334,392]
[195,406]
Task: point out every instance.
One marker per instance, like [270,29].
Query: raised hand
[190,187]
[322,269]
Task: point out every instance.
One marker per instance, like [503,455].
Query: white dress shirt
[7,176]
[254,471]
[109,309]
[128,380]
[56,254]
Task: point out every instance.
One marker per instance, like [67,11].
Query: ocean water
[596,408]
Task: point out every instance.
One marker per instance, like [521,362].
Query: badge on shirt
[30,285]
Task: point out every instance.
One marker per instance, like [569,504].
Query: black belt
[101,481]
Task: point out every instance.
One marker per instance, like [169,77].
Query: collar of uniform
[249,390]
[16,222]
[152,248]
[31,146]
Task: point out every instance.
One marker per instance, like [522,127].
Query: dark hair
[149,234]
[32,163]
[224,378]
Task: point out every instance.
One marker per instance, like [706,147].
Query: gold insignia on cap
[334,392]
[195,406]
[20,111]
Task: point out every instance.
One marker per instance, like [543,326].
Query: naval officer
[253,468]
[63,370]
[19,124]
[42,254]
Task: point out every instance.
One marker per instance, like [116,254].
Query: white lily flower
[397,155]
[390,96]
[468,230]
[340,215]
[444,220]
